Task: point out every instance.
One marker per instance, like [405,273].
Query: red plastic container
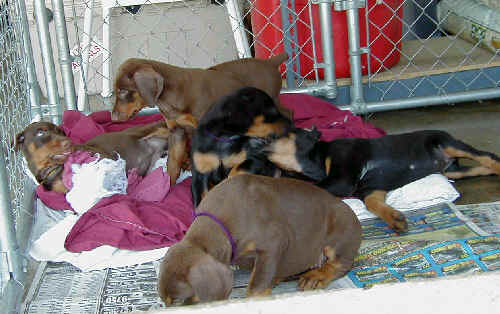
[385,35]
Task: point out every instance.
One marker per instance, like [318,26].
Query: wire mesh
[15,107]
[187,33]
[14,103]
[437,38]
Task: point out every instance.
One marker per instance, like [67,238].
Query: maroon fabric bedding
[146,218]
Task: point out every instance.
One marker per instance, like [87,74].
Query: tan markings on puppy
[263,293]
[321,277]
[486,161]
[168,301]
[234,159]
[260,128]
[236,171]
[328,164]
[250,247]
[284,153]
[130,109]
[58,186]
[160,132]
[476,171]
[375,202]
[187,120]
[205,162]
[42,156]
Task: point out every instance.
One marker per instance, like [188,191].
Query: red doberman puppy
[271,221]
[369,168]
[177,91]
[46,148]
[183,95]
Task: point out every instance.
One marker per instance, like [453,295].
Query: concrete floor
[477,124]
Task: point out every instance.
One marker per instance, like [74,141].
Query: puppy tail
[278,59]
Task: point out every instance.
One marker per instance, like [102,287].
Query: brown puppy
[177,91]
[46,148]
[272,221]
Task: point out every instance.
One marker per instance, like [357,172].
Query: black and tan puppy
[273,222]
[224,133]
[369,168]
[46,148]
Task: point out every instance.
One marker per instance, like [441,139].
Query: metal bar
[238,28]
[355,58]
[49,68]
[313,42]
[34,87]
[287,40]
[480,94]
[8,241]
[65,58]
[325,15]
[106,54]
[87,31]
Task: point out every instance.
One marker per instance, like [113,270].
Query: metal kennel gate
[363,55]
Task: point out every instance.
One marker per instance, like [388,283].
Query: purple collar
[225,139]
[226,231]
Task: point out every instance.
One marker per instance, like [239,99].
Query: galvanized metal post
[49,68]
[87,43]
[330,81]
[355,51]
[34,87]
[107,89]
[240,36]
[65,59]
[289,37]
[8,241]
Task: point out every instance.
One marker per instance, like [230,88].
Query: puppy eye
[122,93]
[40,133]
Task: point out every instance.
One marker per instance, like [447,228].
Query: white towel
[431,190]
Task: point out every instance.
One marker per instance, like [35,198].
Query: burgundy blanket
[148,217]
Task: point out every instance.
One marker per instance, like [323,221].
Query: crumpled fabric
[93,180]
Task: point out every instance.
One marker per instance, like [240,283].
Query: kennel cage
[73,48]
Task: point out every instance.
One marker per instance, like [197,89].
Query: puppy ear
[18,141]
[149,84]
[210,279]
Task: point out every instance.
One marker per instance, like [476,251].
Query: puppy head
[137,85]
[189,274]
[45,148]
[294,153]
[249,111]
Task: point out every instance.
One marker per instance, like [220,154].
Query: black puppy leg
[199,187]
[375,202]
[489,162]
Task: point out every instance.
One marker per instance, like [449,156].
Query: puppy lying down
[270,222]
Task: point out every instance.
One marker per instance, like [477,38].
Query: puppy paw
[397,221]
[314,279]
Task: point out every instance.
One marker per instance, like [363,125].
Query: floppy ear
[210,279]
[18,141]
[149,84]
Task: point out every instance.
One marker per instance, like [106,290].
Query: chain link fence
[445,47]
[407,48]
[15,113]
